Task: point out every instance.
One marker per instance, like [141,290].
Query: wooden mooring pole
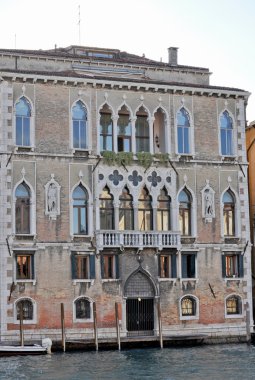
[63,327]
[160,325]
[21,325]
[95,325]
[117,324]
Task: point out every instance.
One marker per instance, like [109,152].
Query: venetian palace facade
[123,182]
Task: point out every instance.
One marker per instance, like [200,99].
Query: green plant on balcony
[144,158]
[124,158]
[109,157]
[163,158]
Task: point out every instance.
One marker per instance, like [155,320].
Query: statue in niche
[209,206]
[52,198]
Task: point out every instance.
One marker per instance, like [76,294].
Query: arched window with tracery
[126,211]
[79,122]
[145,211]
[184,200]
[163,211]
[106,210]
[22,209]
[23,121]
[183,131]
[188,306]
[80,211]
[226,134]
[229,213]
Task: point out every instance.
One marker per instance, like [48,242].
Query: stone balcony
[137,239]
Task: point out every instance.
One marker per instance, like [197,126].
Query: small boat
[35,349]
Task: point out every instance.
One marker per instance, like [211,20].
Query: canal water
[221,362]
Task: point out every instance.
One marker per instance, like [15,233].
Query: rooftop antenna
[79,23]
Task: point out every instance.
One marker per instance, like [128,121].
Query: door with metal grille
[140,316]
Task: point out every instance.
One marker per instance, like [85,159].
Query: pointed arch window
[185,212]
[124,130]
[22,209]
[226,134]
[145,211]
[79,121]
[106,129]
[106,210]
[229,213]
[26,306]
[126,211]
[23,121]
[163,211]
[183,131]
[80,211]
[142,131]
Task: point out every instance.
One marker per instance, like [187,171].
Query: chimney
[172,56]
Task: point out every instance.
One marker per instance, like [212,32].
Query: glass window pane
[82,135]
[75,134]
[82,220]
[18,131]
[186,140]
[180,139]
[26,132]
[75,221]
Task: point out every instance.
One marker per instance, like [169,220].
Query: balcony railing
[137,239]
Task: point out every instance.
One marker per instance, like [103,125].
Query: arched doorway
[140,294]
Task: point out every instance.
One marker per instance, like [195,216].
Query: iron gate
[140,316]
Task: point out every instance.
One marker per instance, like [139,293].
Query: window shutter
[73,266]
[240,265]
[223,258]
[102,265]
[173,266]
[33,266]
[192,266]
[92,274]
[184,266]
[117,274]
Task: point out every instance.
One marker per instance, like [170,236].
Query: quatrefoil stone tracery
[116,177]
[154,179]
[135,178]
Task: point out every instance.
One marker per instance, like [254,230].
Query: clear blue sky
[217,34]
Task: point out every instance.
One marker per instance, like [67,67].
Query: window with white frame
[229,213]
[24,266]
[22,209]
[124,130]
[232,265]
[82,309]
[233,306]
[183,131]
[184,200]
[106,129]
[23,122]
[80,211]
[142,131]
[79,125]
[189,307]
[226,134]
[106,210]
[163,211]
[25,310]
[167,265]
[109,266]
[188,261]
[83,266]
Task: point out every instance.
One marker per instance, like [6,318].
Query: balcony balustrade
[137,239]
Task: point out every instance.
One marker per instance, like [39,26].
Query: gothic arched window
[23,119]
[79,121]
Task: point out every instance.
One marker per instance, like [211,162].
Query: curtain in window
[106,210]
[144,211]
[185,212]
[229,213]
[163,211]
[126,211]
